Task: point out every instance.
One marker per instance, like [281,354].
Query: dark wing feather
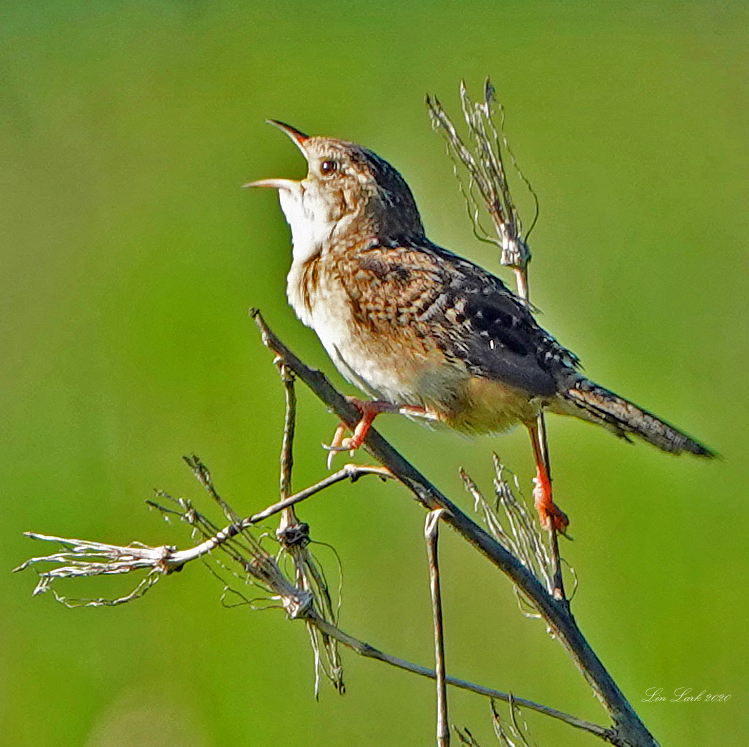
[474,318]
[498,338]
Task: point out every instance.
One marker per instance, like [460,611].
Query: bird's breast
[391,362]
[376,363]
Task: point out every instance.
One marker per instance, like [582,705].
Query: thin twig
[508,735]
[349,472]
[203,476]
[431,534]
[486,169]
[522,535]
[287,445]
[294,536]
[370,652]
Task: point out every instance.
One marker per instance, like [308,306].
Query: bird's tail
[592,402]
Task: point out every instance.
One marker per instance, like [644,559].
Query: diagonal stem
[628,726]
[349,472]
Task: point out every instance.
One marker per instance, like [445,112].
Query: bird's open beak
[289,184]
[299,139]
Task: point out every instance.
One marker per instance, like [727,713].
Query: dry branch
[82,558]
[628,729]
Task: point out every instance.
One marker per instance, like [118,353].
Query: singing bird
[421,330]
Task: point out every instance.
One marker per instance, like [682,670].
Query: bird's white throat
[311,229]
[309,220]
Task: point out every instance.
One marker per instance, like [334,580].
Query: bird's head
[349,193]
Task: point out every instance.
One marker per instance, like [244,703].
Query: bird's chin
[291,198]
[310,224]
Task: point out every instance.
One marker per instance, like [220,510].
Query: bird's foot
[550,515]
[369,410]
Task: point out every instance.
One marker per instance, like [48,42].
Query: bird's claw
[553,517]
[350,444]
[369,411]
[549,514]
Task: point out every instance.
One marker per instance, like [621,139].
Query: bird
[423,331]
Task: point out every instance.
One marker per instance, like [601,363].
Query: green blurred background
[130,256]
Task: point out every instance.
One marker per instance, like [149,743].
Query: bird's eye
[328,167]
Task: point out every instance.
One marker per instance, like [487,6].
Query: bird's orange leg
[369,410]
[549,513]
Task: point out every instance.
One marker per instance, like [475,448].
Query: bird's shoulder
[471,314]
